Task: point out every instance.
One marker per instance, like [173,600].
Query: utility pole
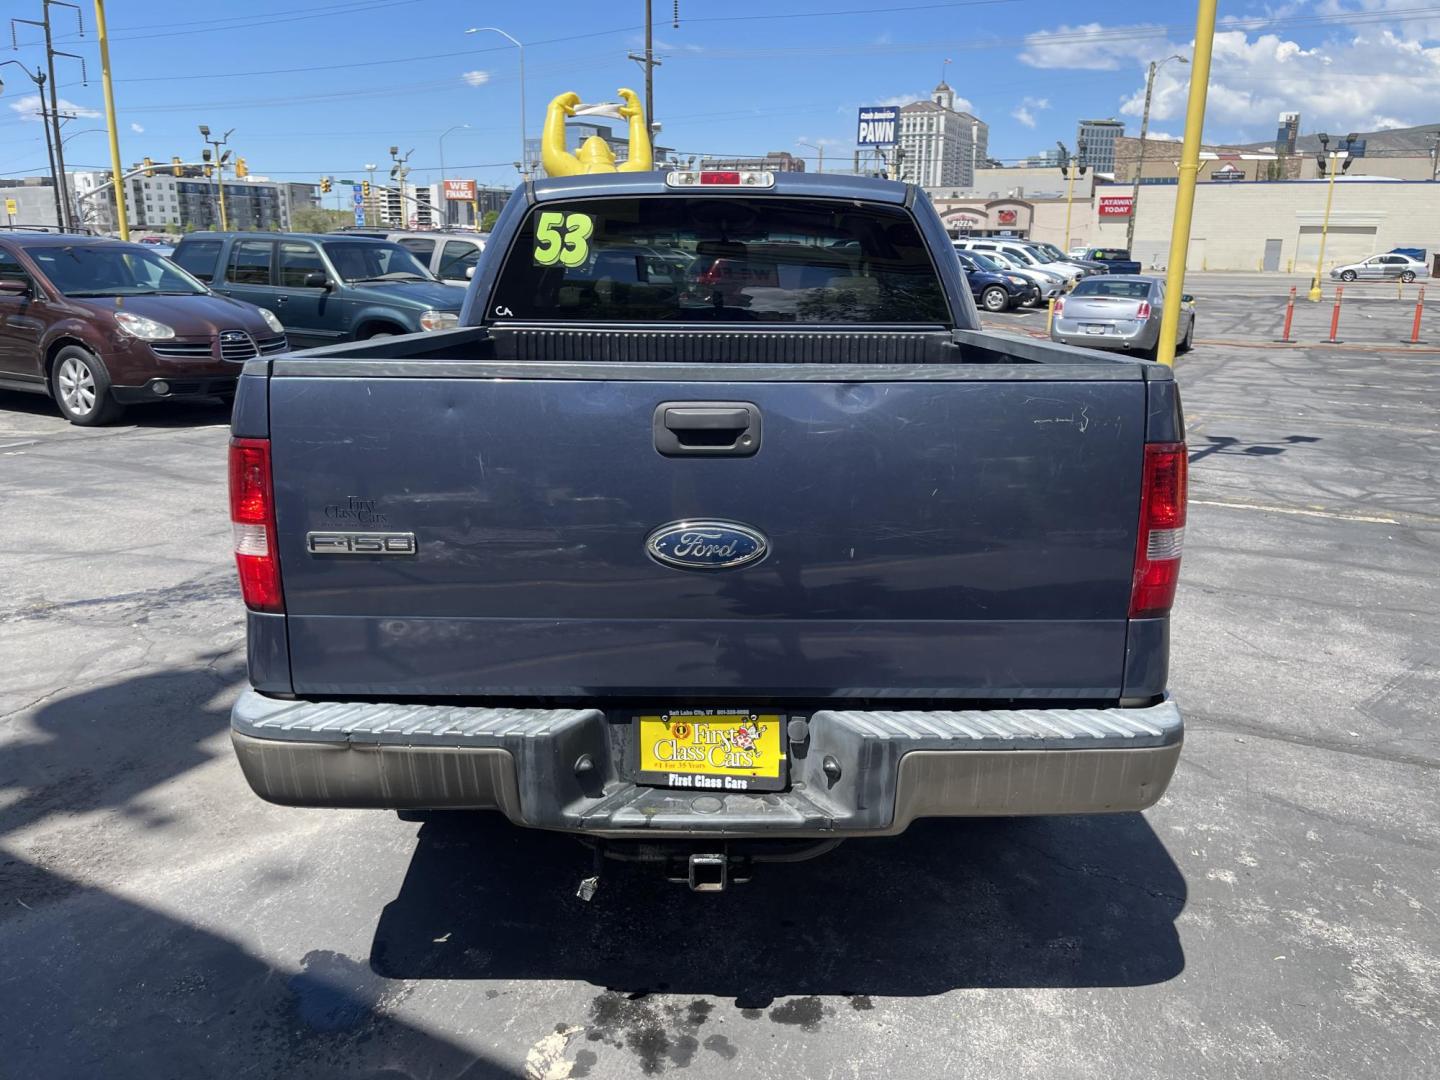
[53,119]
[38,78]
[649,63]
[816,147]
[1155,66]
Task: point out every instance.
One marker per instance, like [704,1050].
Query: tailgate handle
[706,428]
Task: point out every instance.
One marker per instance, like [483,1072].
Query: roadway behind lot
[1274,916]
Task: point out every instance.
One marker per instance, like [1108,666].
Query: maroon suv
[98,324]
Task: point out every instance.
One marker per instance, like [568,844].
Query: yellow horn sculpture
[594,156]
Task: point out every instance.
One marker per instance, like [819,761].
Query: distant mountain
[1392,142]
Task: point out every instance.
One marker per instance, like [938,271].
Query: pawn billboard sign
[879,125]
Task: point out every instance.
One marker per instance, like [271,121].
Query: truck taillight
[252,516]
[1162,530]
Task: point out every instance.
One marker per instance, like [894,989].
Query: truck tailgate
[966,539]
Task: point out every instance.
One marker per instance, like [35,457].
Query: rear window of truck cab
[720,259]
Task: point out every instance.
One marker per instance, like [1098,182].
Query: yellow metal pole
[120,214]
[1050,316]
[1189,170]
[1314,293]
[220,172]
[1069,202]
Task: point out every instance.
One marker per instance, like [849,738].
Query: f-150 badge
[360,543]
[706,545]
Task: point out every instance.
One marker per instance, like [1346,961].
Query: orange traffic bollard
[1335,316]
[1419,310]
[1289,315]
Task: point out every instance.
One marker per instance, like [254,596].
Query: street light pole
[1334,155]
[220,160]
[1144,130]
[1070,166]
[444,202]
[814,146]
[524,158]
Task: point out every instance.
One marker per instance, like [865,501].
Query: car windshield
[357,260]
[1047,253]
[1109,286]
[731,258]
[1021,255]
[1004,261]
[112,270]
[985,262]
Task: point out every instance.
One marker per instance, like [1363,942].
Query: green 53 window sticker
[562,238]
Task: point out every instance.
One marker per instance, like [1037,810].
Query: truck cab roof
[805,185]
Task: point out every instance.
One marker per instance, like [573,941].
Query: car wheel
[1348,275]
[81,388]
[995,298]
[1408,276]
[1189,342]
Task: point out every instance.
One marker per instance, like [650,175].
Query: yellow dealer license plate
[711,750]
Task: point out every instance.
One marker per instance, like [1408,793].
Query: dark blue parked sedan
[994,287]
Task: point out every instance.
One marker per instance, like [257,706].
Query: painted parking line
[1295,511]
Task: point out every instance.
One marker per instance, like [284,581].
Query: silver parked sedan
[1121,312]
[1391,266]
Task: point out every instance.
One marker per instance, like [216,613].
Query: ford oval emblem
[706,545]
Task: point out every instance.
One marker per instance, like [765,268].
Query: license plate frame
[710,733]
[1095,328]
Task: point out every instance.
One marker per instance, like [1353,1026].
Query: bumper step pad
[568,769]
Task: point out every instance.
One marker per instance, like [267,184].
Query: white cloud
[476,78]
[1091,46]
[1372,77]
[138,129]
[29,108]
[1028,107]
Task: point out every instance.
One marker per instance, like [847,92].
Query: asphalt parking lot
[1274,916]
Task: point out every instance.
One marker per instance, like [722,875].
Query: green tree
[315,220]
[487,220]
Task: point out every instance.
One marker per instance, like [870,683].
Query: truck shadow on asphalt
[107,986]
[1042,902]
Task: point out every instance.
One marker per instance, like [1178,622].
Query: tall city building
[1098,137]
[1287,133]
[939,144]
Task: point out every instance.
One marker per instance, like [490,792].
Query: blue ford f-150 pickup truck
[717,525]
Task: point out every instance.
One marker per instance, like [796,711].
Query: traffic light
[324,185]
[208,168]
[149,167]
[176,167]
[241,169]
[365,189]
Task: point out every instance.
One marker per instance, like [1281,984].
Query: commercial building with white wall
[1273,225]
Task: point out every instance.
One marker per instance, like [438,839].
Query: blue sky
[325,86]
